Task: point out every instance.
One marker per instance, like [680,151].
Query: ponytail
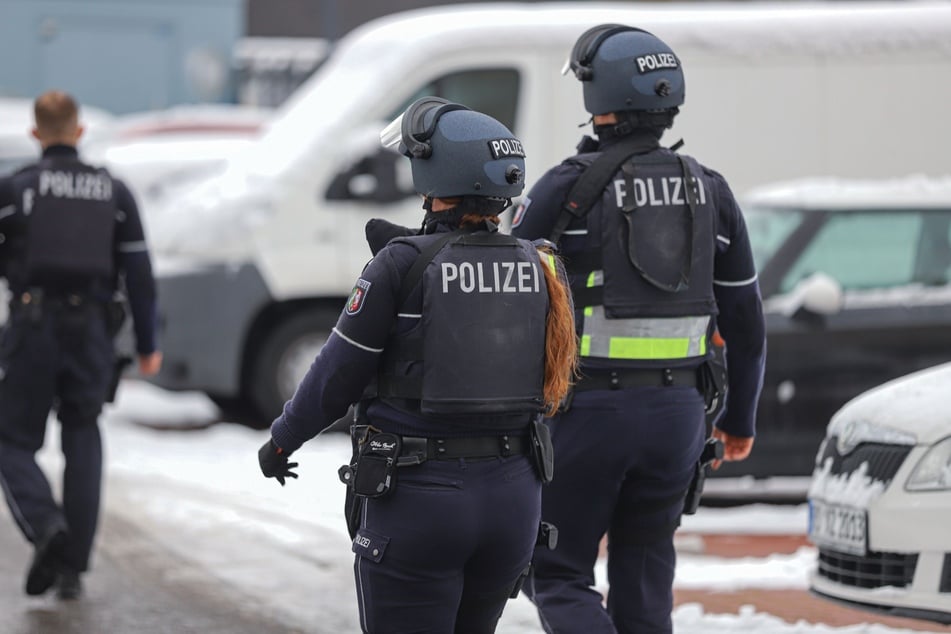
[561,344]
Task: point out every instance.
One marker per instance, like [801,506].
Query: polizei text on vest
[495,277]
[657,192]
[82,185]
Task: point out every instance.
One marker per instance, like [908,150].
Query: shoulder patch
[357,296]
[520,212]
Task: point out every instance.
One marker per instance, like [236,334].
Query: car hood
[914,405]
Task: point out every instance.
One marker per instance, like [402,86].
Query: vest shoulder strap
[598,173]
[426,255]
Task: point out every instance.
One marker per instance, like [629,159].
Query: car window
[493,91]
[768,229]
[864,250]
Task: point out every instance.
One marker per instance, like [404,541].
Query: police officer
[452,325]
[658,256]
[70,233]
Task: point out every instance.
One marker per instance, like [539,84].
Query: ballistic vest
[644,283]
[70,215]
[480,345]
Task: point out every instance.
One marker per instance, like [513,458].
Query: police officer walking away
[468,335]
[658,257]
[71,234]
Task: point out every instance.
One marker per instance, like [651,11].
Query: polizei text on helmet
[656,61]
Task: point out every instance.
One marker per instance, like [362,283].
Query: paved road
[136,587]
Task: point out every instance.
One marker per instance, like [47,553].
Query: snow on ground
[196,488]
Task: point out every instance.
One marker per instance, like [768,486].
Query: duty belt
[625,378]
[416,450]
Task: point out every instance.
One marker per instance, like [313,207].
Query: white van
[255,264]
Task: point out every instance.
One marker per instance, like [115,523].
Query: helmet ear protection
[586,47]
[418,124]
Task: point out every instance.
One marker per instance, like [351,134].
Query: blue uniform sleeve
[536,216]
[740,320]
[349,360]
[135,267]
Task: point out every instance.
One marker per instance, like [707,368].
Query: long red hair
[561,341]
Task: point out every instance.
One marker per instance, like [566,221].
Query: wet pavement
[135,586]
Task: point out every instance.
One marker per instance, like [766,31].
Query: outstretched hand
[274,464]
[735,448]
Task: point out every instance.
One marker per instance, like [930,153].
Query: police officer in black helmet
[452,326]
[71,237]
[658,256]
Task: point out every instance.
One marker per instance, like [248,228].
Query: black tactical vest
[70,216]
[480,344]
[653,237]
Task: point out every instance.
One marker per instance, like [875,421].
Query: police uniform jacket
[738,304]
[350,361]
[130,256]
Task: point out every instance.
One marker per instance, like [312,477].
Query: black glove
[274,462]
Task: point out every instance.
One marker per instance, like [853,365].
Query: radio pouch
[543,454]
[375,470]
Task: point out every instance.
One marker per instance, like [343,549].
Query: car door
[893,269]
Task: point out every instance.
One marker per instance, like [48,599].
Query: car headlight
[933,471]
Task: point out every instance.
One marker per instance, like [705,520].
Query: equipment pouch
[375,470]
[543,454]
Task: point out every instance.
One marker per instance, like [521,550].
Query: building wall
[121,55]
[328,19]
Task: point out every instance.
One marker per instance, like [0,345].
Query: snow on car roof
[834,193]
[741,28]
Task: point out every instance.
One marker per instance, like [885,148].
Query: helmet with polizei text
[624,68]
[455,151]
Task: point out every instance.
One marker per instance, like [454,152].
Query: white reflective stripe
[599,330]
[575,232]
[9,210]
[409,315]
[740,283]
[355,343]
[724,240]
[133,247]
[362,600]
[15,508]
[595,278]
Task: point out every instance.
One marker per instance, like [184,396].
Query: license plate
[841,528]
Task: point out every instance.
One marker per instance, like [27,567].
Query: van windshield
[768,228]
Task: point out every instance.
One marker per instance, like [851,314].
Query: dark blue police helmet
[455,151]
[624,68]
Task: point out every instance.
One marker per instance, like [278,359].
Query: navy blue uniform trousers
[59,358]
[442,552]
[620,456]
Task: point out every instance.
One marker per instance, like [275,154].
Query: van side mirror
[374,178]
[818,295]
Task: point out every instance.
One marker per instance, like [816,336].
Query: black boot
[70,586]
[46,562]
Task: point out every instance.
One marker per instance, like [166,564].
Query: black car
[855,281]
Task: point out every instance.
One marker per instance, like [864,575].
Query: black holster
[542,451]
[372,469]
[712,450]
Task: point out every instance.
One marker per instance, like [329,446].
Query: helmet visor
[391,136]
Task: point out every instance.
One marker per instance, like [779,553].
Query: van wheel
[284,357]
